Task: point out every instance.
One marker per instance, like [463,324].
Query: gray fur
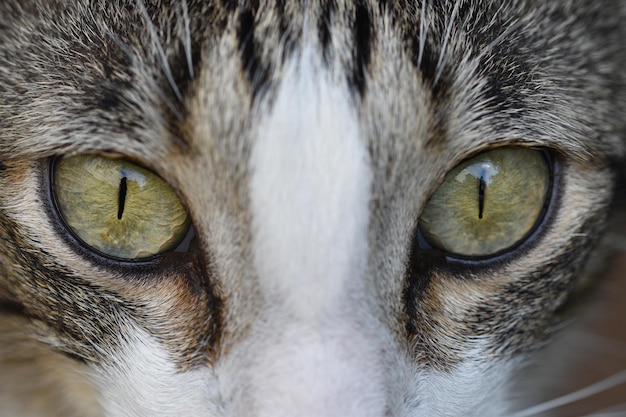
[179,87]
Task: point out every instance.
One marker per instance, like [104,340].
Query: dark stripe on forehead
[324,24]
[286,31]
[362,45]
[426,60]
[424,34]
[255,70]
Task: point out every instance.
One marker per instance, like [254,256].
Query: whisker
[168,102]
[165,66]
[507,32]
[589,391]
[141,68]
[187,40]
[446,39]
[424,24]
[616,413]
[618,410]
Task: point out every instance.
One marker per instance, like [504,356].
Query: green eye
[489,203]
[118,208]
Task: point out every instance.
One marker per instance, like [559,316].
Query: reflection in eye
[483,172]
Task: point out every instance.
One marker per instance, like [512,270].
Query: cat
[297,208]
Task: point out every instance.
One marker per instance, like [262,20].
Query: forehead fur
[137,66]
[305,139]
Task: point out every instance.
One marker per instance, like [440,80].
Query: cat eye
[117,208]
[488,204]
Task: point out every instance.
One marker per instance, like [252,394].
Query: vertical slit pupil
[121,198]
[481,196]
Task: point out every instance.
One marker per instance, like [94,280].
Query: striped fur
[305,139]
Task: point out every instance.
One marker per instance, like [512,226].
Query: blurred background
[592,346]
[603,344]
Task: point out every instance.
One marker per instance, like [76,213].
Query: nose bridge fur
[332,369]
[310,190]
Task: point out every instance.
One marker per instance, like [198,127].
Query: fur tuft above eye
[117,208]
[489,203]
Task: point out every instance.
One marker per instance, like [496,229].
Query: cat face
[277,209]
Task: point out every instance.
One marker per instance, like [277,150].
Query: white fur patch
[341,371]
[474,388]
[144,381]
[310,192]
[298,370]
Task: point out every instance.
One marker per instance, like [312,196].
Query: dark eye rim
[548,212]
[84,249]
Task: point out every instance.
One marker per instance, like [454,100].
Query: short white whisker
[614,411]
[589,391]
[424,24]
[165,66]
[501,37]
[446,40]
[187,39]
